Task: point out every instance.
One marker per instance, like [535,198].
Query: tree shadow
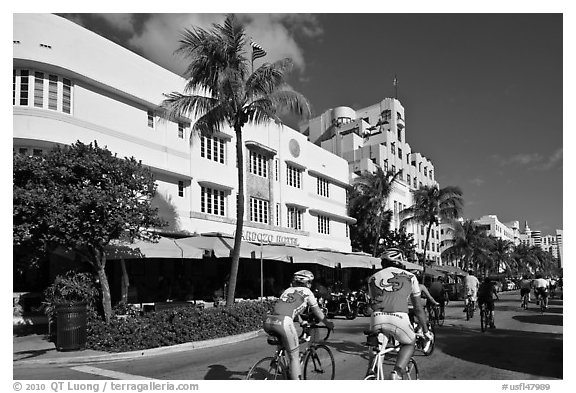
[220,372]
[350,347]
[540,319]
[539,354]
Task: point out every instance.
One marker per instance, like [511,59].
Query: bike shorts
[488,302]
[541,292]
[524,291]
[397,324]
[471,291]
[283,327]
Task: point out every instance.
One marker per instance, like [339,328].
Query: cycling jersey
[525,284]
[294,301]
[486,291]
[540,283]
[391,288]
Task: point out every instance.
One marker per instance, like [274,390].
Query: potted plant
[66,304]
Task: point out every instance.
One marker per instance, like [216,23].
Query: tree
[220,91]
[400,239]
[466,242]
[81,197]
[431,206]
[369,203]
[500,251]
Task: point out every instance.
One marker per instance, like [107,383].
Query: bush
[175,326]
[71,288]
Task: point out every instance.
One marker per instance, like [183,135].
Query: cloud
[532,161]
[158,36]
[477,181]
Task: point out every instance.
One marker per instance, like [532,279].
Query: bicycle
[378,343]
[469,307]
[317,361]
[525,301]
[486,317]
[436,315]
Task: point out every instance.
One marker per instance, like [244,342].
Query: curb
[139,354]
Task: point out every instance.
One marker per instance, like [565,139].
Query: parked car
[498,285]
[510,286]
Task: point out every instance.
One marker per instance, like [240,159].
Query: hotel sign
[263,237]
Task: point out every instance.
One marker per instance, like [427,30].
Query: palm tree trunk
[239,219]
[380,220]
[425,247]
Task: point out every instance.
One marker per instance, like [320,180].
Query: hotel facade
[376,136]
[71,84]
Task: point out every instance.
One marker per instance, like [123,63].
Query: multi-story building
[499,230]
[560,245]
[71,84]
[376,136]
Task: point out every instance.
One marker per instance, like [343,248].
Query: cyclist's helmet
[393,257]
[303,276]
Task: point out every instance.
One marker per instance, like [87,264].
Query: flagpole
[395,87]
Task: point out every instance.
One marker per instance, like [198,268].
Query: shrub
[175,326]
[71,288]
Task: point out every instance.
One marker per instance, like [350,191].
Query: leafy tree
[231,96]
[80,197]
[399,238]
[368,205]
[431,206]
[500,254]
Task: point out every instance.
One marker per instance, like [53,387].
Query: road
[525,345]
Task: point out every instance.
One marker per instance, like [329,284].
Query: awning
[433,272]
[412,266]
[161,248]
[345,260]
[219,245]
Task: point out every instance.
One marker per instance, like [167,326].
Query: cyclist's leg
[289,335]
[490,305]
[399,326]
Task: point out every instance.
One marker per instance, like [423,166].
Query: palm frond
[268,77]
[181,105]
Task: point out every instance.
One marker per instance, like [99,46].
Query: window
[347,231]
[150,119]
[393,148]
[421,229]
[23,150]
[393,168]
[414,181]
[277,214]
[24,87]
[294,218]
[399,134]
[258,164]
[430,173]
[294,176]
[36,152]
[181,130]
[385,165]
[258,210]
[39,89]
[276,169]
[386,114]
[398,116]
[212,148]
[324,225]
[47,91]
[322,187]
[408,158]
[212,201]
[66,95]
[419,167]
[408,178]
[420,184]
[425,171]
[180,188]
[399,153]
[422,244]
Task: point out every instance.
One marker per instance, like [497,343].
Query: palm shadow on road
[539,354]
[220,372]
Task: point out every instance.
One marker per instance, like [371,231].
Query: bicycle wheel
[468,312]
[412,370]
[431,317]
[319,363]
[441,317]
[266,369]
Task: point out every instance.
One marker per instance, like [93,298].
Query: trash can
[71,324]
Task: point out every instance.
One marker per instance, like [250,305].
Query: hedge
[175,326]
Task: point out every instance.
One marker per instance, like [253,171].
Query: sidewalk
[32,348]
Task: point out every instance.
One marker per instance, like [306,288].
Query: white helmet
[304,276]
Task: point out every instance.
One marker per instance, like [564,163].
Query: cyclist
[426,298]
[289,306]
[486,294]
[389,290]
[541,289]
[438,293]
[471,285]
[525,287]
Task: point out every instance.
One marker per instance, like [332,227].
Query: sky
[482,92]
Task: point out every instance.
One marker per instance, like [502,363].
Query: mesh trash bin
[71,326]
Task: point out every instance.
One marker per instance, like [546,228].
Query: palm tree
[431,206]
[222,92]
[466,241]
[500,251]
[371,198]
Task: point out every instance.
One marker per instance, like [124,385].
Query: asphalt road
[525,345]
